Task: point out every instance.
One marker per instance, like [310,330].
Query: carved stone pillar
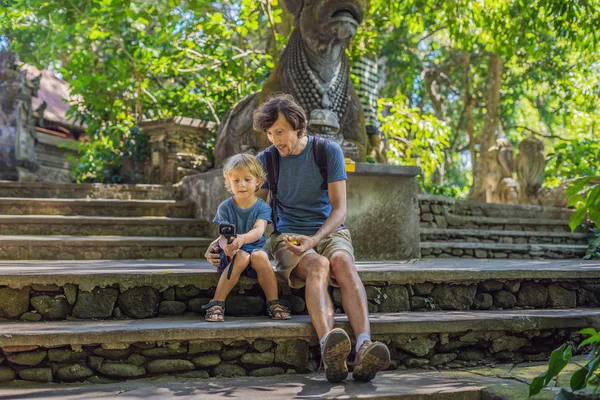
[179,147]
[17,137]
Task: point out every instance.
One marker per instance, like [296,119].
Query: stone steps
[441,205]
[52,247]
[105,289]
[79,350]
[502,236]
[102,207]
[509,224]
[90,225]
[88,191]
[500,250]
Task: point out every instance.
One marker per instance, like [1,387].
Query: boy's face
[283,136]
[242,183]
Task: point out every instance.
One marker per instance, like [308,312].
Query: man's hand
[213,258]
[298,244]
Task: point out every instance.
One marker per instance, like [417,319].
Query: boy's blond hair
[246,162]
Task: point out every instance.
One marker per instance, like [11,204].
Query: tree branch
[517,127]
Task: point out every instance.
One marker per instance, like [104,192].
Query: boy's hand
[298,244]
[231,248]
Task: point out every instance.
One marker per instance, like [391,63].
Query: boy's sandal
[214,307]
[278,311]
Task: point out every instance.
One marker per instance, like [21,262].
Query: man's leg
[370,357]
[314,270]
[354,297]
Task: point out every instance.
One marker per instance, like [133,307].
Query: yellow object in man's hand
[294,242]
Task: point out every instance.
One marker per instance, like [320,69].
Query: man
[312,247]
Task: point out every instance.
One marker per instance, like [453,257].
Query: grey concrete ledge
[387,385]
[487,233]
[162,274]
[385,170]
[299,327]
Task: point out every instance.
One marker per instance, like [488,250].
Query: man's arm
[337,198]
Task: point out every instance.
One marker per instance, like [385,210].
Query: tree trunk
[488,136]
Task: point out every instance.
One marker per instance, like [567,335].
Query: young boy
[245,255]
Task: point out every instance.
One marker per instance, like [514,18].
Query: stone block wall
[53,302]
[109,363]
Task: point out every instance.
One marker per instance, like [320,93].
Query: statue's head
[325,21]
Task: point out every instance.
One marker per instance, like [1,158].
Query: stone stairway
[467,229]
[73,311]
[97,222]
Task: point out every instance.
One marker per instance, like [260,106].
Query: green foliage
[584,195]
[551,79]
[129,60]
[559,360]
[414,137]
[447,190]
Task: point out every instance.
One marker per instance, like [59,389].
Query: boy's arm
[254,234]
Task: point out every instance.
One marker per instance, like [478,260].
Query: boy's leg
[224,287]
[268,282]
[266,276]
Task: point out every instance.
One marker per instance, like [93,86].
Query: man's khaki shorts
[287,260]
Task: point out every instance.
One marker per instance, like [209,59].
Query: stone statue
[500,186]
[531,161]
[314,69]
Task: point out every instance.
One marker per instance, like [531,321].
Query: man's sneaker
[334,353]
[371,358]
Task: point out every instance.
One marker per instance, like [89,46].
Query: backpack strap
[320,153]
[272,159]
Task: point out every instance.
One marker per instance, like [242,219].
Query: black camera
[227,231]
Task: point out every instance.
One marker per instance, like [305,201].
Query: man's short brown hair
[266,115]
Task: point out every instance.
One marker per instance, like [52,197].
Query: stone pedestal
[382,208]
[383,212]
[178,147]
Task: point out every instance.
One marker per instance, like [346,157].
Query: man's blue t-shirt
[244,218]
[302,206]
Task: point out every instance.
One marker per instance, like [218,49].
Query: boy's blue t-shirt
[244,218]
[302,206]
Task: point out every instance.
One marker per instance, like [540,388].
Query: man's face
[324,21]
[283,136]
